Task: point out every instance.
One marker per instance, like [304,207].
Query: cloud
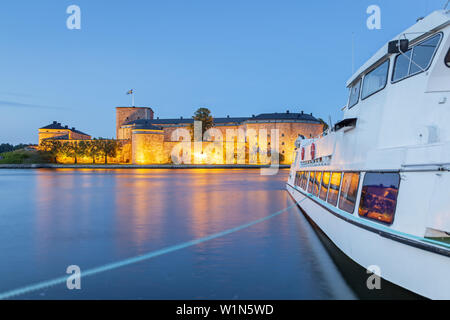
[17,94]
[13,104]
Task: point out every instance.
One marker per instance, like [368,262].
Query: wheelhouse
[417,59]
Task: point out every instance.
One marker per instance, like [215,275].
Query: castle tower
[147,145]
[127,114]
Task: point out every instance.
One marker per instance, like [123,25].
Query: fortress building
[146,140]
[57,131]
[151,139]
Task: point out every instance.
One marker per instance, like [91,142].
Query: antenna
[353,52]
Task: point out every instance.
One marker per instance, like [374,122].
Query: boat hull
[416,269]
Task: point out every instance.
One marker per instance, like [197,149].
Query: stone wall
[223,130]
[147,147]
[168,131]
[288,134]
[208,149]
[124,133]
[125,114]
[124,154]
[211,153]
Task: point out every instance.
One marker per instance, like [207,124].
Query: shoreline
[131,166]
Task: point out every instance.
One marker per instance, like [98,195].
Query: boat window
[304,180]
[311,182]
[416,60]
[354,94]
[447,59]
[324,186]
[317,183]
[349,191]
[335,184]
[379,196]
[298,176]
[402,66]
[375,80]
[423,53]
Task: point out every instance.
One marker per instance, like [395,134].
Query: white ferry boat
[378,182]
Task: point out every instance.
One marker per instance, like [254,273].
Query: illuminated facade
[153,140]
[60,132]
[146,140]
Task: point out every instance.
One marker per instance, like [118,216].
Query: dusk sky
[237,58]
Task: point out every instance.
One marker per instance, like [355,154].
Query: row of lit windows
[378,196]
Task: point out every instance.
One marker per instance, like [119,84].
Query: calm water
[52,219]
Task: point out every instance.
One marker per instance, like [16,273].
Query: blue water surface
[51,219]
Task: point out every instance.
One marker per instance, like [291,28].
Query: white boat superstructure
[377,183]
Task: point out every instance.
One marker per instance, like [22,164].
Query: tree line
[96,148]
[6,147]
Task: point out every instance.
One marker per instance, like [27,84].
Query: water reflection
[94,217]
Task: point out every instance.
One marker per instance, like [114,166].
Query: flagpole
[131,92]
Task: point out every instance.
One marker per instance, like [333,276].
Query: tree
[20,146]
[93,149]
[52,147]
[101,148]
[325,125]
[108,148]
[203,115]
[68,150]
[75,150]
[6,147]
[83,148]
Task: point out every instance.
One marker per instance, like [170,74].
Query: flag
[131,91]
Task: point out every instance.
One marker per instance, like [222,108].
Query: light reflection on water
[53,219]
